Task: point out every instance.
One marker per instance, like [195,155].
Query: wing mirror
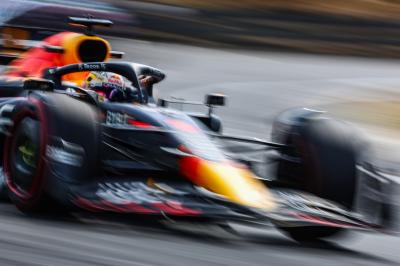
[215,99]
[38,85]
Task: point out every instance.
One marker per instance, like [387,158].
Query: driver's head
[106,84]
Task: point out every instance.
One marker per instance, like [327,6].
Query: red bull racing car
[64,148]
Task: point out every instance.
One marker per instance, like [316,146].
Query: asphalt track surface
[259,85]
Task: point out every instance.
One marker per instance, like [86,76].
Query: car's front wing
[176,199]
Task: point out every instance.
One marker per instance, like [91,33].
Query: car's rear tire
[61,129]
[322,161]
[23,161]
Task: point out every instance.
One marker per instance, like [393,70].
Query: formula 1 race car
[64,148]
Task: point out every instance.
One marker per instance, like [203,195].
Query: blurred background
[355,27]
[266,55]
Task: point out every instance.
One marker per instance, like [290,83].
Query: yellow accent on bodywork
[236,184]
[71,45]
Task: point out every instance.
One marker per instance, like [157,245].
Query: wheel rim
[25,155]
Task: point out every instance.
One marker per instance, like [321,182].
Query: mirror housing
[38,85]
[116,54]
[215,99]
[162,102]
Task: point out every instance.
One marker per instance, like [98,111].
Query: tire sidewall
[30,200]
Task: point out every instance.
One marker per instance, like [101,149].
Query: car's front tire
[321,160]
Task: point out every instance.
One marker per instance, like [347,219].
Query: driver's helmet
[108,85]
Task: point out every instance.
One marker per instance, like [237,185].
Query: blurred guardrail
[369,28]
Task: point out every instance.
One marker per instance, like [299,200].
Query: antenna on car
[89,23]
